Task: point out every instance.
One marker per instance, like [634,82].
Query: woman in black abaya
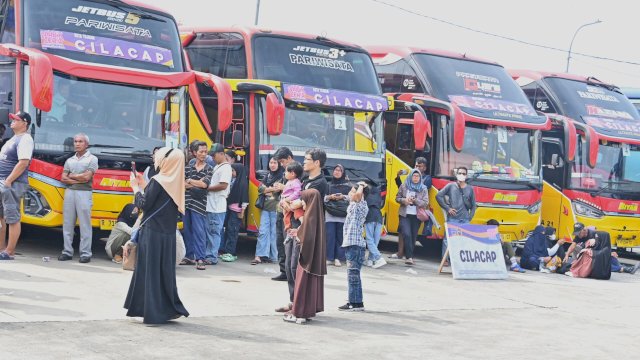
[153,294]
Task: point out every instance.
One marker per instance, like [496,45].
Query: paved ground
[54,310]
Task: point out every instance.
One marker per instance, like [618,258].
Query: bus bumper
[514,223]
[624,230]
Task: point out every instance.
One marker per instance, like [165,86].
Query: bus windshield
[111,33]
[123,119]
[343,131]
[492,153]
[608,111]
[315,63]
[617,168]
[480,89]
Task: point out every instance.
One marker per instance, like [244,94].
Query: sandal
[200,265]
[256,261]
[5,256]
[409,262]
[187,261]
[285,309]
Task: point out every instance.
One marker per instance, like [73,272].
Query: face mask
[461,177]
[552,237]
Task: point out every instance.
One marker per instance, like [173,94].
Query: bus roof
[379,51]
[631,93]
[539,75]
[248,32]
[148,6]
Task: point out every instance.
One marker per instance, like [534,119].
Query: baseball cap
[216,148]
[21,115]
[577,228]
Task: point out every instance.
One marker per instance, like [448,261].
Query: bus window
[398,77]
[552,162]
[221,54]
[7,85]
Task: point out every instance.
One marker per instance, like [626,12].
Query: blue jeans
[231,232]
[355,259]
[372,232]
[334,241]
[195,234]
[266,246]
[615,264]
[214,234]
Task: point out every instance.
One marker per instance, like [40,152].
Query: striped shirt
[196,198]
[354,224]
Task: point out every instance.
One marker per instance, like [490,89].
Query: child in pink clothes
[291,192]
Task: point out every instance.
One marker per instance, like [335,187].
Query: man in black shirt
[582,234]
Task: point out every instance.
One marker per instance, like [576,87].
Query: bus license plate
[624,243]
[507,237]
[107,224]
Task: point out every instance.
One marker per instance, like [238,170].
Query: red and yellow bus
[591,155]
[331,95]
[480,119]
[114,70]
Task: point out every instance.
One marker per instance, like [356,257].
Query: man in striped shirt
[197,179]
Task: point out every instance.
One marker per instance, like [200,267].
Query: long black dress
[153,294]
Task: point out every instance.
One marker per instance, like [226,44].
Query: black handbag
[337,208]
[260,201]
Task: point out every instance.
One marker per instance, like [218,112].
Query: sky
[550,23]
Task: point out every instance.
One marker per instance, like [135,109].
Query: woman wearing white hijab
[153,294]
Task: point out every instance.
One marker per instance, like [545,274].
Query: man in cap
[217,202]
[582,234]
[14,181]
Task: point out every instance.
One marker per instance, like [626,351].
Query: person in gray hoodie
[458,201]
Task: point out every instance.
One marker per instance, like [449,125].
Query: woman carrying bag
[412,196]
[153,294]
[266,250]
[335,206]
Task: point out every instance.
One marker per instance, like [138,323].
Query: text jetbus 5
[480,119]
[332,99]
[113,70]
[591,156]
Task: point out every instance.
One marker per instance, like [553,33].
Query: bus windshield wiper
[133,154]
[521,182]
[478,173]
[609,188]
[105,146]
[141,13]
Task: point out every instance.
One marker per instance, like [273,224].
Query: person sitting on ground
[507,250]
[583,234]
[537,256]
[121,232]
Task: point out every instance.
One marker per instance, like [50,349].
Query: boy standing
[355,245]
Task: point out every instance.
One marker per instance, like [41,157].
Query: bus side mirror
[41,81]
[275,115]
[225,99]
[421,128]
[458,123]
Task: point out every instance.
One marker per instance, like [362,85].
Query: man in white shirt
[14,180]
[219,189]
[78,198]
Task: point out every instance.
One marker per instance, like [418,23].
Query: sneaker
[351,307]
[117,259]
[84,259]
[368,263]
[634,268]
[516,268]
[379,263]
[281,277]
[569,274]
[228,258]
[5,256]
[64,257]
[544,270]
[337,263]
[393,256]
[329,262]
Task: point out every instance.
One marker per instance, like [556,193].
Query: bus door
[7,93]
[554,175]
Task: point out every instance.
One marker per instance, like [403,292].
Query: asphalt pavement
[65,310]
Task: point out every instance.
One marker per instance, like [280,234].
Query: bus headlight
[35,204]
[583,209]
[535,208]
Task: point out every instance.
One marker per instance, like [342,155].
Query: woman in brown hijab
[153,294]
[308,298]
